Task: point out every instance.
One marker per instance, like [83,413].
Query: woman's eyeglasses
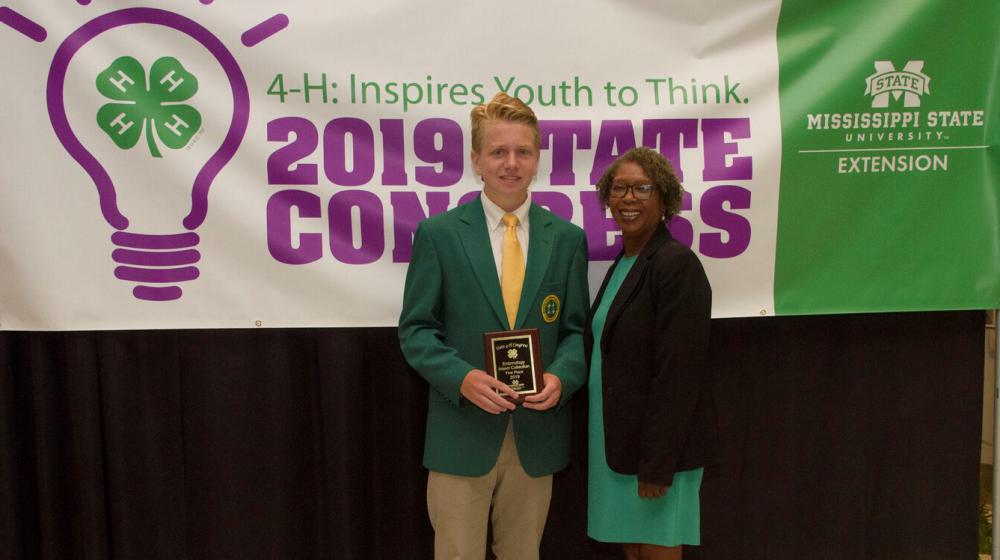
[641,192]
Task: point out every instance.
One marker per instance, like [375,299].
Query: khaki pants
[459,508]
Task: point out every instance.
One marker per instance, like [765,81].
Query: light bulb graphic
[156,262]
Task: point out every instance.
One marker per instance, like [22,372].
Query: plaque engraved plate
[514,358]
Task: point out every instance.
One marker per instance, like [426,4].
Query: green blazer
[452,296]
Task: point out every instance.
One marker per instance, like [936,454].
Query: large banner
[192,164]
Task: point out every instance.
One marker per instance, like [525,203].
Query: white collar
[494,214]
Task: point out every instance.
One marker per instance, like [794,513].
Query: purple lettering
[562,134]
[616,138]
[680,228]
[280,164]
[714,214]
[467,197]
[335,157]
[597,223]
[279,227]
[667,135]
[555,202]
[407,213]
[393,152]
[371,227]
[717,149]
[449,155]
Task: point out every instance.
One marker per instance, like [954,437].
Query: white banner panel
[239,164]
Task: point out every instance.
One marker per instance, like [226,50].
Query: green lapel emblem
[550,308]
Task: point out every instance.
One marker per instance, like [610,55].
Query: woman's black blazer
[659,416]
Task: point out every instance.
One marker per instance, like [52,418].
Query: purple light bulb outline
[103,182]
[139,249]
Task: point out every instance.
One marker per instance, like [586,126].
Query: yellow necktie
[511,269]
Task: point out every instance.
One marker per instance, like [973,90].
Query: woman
[651,421]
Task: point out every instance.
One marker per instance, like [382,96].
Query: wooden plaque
[514,358]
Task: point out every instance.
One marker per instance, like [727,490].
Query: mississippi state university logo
[909,83]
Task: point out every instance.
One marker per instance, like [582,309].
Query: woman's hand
[649,491]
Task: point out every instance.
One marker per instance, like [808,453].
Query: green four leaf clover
[155,108]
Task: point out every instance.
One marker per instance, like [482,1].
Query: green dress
[615,513]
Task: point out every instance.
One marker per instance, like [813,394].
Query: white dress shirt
[496,228]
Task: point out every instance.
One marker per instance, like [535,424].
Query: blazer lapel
[476,242]
[539,252]
[634,278]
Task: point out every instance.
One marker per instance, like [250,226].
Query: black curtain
[852,436]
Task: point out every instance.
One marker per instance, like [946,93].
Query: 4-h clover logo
[512,353]
[156,108]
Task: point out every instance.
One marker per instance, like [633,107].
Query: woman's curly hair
[657,168]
